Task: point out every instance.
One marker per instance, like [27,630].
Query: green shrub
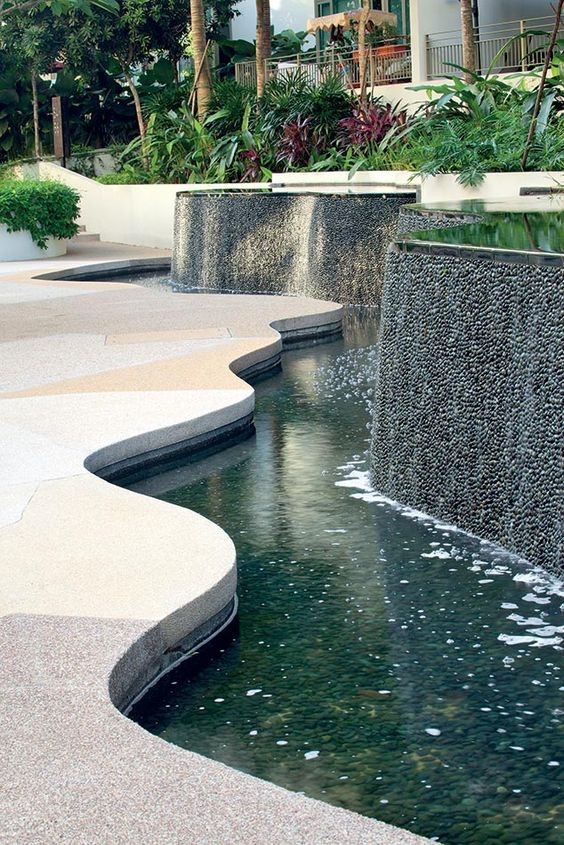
[228,105]
[44,209]
[127,176]
[473,146]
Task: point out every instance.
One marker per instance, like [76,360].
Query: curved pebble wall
[413,219]
[331,246]
[469,390]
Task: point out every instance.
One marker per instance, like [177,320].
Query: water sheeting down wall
[329,246]
[470,384]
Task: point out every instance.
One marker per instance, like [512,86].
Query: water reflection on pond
[533,232]
[381,662]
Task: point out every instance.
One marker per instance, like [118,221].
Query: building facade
[435,16]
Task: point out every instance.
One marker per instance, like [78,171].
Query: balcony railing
[385,64]
[390,63]
[444,49]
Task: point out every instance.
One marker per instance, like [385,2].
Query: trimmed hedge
[45,209]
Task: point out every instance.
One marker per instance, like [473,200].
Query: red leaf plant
[369,124]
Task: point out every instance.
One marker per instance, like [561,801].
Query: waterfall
[470,382]
[329,246]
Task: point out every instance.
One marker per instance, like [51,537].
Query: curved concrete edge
[105,268]
[70,649]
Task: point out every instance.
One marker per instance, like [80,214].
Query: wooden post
[61,139]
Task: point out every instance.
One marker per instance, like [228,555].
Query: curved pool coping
[81,634]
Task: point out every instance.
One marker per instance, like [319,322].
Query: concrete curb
[105,587]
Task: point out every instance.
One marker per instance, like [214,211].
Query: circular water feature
[381,662]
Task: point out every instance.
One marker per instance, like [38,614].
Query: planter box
[495,186]
[18,246]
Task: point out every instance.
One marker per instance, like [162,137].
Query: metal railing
[444,49]
[385,64]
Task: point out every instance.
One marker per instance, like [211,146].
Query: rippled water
[381,662]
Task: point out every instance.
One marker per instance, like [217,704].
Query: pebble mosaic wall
[329,246]
[469,393]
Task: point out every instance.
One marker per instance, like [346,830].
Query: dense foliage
[467,128]
[100,62]
[44,209]
[123,88]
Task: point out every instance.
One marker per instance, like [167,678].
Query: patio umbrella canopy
[347,20]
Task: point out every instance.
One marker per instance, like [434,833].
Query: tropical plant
[385,32]
[126,176]
[296,95]
[228,105]
[298,142]
[493,143]
[370,124]
[240,156]
[44,209]
[538,119]
[58,7]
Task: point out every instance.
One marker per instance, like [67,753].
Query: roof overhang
[349,19]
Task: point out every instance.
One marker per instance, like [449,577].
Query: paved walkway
[97,583]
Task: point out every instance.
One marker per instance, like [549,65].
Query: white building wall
[444,15]
[286,14]
[438,15]
[494,11]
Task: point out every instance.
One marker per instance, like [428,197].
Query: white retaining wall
[496,186]
[143,215]
[138,215]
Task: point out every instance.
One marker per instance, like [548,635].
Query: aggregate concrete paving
[97,583]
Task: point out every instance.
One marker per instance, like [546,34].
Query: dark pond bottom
[381,662]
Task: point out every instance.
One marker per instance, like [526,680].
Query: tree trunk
[267,35]
[362,49]
[468,38]
[137,103]
[35,101]
[261,45]
[138,110]
[203,81]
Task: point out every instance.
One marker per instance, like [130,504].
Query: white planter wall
[496,186]
[137,215]
[19,246]
[389,180]
[143,215]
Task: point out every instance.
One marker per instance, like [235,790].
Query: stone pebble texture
[329,246]
[413,220]
[470,383]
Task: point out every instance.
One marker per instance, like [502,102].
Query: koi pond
[380,661]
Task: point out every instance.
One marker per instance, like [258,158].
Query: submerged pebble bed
[381,661]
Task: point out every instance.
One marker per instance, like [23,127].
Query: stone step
[86,237]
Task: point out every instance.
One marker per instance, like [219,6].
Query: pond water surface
[380,661]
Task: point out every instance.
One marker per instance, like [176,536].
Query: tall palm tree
[468,37]
[202,79]
[264,47]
